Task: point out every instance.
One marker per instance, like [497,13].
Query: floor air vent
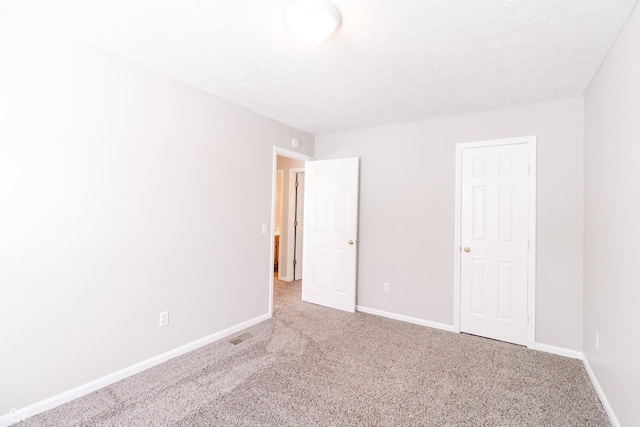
[240,339]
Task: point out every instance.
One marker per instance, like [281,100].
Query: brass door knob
[467,249]
[350,242]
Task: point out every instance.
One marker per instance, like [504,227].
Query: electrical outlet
[164,319]
[386,288]
[597,341]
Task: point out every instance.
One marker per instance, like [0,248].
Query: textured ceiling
[391,61]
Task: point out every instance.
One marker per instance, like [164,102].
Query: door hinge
[295,223]
[295,262]
[296,184]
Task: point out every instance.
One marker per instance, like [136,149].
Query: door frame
[530,141]
[292,214]
[278,151]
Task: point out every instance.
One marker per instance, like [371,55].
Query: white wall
[612,225]
[285,270]
[116,204]
[407,211]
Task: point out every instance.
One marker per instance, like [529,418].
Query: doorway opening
[277,224]
[287,215]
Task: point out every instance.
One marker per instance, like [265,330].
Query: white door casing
[331,224]
[495,239]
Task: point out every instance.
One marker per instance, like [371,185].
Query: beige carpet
[309,365]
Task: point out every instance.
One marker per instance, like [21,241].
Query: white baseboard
[601,395]
[560,351]
[17,415]
[404,318]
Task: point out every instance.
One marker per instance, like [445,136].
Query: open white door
[330,231]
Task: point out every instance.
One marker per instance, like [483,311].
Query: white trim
[531,296]
[533,219]
[600,392]
[560,351]
[457,238]
[404,318]
[278,151]
[291,215]
[305,229]
[82,390]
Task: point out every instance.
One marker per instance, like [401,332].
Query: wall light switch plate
[164,319]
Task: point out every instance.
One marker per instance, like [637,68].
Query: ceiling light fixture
[312,20]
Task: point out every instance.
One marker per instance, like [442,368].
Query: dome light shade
[312,20]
